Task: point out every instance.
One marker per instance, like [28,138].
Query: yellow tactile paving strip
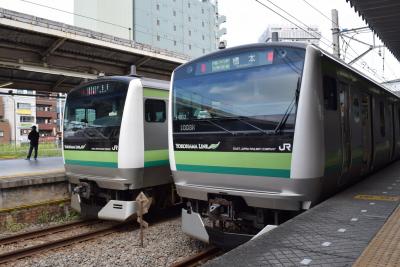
[384,249]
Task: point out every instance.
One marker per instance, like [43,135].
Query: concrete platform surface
[20,167]
[334,233]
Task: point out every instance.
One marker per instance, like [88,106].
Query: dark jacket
[34,137]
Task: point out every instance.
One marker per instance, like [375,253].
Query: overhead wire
[296,24]
[347,43]
[357,31]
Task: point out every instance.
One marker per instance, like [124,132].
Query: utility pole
[335,33]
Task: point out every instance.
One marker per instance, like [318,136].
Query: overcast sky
[247,19]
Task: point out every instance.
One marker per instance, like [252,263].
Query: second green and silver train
[115,146]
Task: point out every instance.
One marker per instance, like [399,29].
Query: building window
[202,23]
[188,5]
[190,47]
[174,13]
[24,105]
[43,108]
[1,134]
[26,119]
[158,22]
[202,37]
[158,38]
[25,131]
[175,28]
[189,19]
[190,33]
[158,7]
[174,43]
[40,120]
[202,11]
[204,51]
[154,110]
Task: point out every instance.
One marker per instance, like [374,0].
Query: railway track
[58,243]
[199,258]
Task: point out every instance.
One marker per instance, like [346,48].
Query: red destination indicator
[203,68]
[270,56]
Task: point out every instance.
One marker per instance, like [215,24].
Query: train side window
[356,110]
[398,116]
[154,110]
[330,93]
[382,118]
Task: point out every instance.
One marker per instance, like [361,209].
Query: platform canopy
[50,56]
[383,17]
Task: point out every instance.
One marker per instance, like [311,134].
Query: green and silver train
[115,145]
[258,133]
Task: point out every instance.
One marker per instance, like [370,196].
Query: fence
[14,150]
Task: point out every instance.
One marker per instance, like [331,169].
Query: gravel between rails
[54,236]
[164,244]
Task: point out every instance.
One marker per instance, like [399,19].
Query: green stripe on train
[263,160]
[154,158]
[92,156]
[105,159]
[109,159]
[243,163]
[148,92]
[234,170]
[92,163]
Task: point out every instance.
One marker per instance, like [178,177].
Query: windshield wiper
[241,118]
[289,109]
[219,126]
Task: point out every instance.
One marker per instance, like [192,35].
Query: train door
[366,124]
[345,130]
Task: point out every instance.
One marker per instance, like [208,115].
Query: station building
[290,33]
[188,27]
[22,109]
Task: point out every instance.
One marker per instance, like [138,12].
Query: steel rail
[45,231]
[32,250]
[199,258]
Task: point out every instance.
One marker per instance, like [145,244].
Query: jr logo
[115,147]
[285,147]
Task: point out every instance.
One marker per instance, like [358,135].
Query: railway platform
[10,168]
[24,183]
[359,226]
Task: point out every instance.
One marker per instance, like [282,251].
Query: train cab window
[154,110]
[382,118]
[330,93]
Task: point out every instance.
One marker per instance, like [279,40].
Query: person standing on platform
[34,138]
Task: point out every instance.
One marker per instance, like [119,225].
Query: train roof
[351,68]
[291,45]
[147,82]
[221,52]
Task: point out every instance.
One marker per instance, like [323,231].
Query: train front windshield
[93,116]
[253,91]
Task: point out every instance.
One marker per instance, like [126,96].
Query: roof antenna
[275,37]
[133,71]
[222,45]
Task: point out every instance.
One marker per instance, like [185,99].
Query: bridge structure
[49,56]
